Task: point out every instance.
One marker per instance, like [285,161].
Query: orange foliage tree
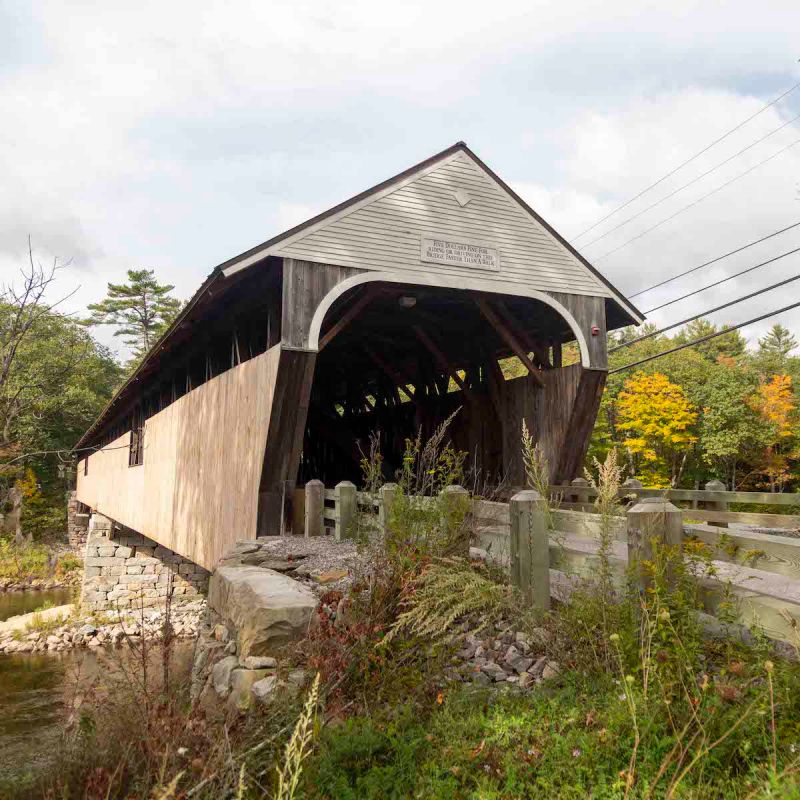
[776,403]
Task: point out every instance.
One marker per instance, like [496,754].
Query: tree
[658,419]
[140,310]
[21,310]
[776,404]
[729,344]
[779,340]
[730,429]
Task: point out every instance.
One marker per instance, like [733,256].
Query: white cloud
[611,157]
[173,135]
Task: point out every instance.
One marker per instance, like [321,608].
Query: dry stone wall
[77,523]
[123,569]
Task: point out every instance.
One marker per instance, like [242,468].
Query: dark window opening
[86,465]
[136,453]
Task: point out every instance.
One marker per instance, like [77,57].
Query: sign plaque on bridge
[458,253]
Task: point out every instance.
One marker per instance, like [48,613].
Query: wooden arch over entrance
[365,352]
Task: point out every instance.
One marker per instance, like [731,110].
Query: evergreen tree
[779,341]
[140,310]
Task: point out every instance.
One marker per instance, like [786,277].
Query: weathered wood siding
[197,490]
[560,416]
[383,233]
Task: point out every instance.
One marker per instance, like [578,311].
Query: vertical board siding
[385,233]
[197,490]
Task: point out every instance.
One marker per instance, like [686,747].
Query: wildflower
[769,666]
[576,752]
[664,615]
[629,679]
[614,637]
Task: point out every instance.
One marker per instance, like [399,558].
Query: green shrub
[20,562]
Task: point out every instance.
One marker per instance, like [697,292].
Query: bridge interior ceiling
[408,359]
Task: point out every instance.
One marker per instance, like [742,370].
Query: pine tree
[141,310]
[779,341]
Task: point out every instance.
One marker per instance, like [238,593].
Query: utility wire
[699,200]
[688,161]
[704,338]
[704,313]
[713,260]
[65,451]
[723,280]
[690,183]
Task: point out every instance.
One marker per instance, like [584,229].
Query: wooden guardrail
[710,504]
[759,572]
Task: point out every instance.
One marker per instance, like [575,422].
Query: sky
[174,135]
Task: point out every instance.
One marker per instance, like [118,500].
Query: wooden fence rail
[710,504]
[758,572]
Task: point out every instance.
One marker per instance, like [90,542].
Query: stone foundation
[123,569]
[77,523]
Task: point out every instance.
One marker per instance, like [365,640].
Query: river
[14,603]
[33,688]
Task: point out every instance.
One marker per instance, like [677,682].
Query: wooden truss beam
[358,305]
[440,358]
[509,338]
[539,352]
[393,374]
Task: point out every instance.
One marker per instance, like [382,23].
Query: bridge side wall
[196,491]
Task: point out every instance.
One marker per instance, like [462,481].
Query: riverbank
[56,630]
[32,584]
[37,567]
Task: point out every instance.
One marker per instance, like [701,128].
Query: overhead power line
[714,260]
[690,183]
[704,313]
[723,280]
[704,338]
[688,161]
[699,200]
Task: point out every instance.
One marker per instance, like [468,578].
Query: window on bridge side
[136,452]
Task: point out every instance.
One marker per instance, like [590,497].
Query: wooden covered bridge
[385,313]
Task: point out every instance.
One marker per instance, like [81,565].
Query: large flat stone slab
[267,609]
[21,621]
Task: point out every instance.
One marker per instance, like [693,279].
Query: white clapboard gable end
[449,218]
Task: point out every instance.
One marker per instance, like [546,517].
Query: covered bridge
[384,313]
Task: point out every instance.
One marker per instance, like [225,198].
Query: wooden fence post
[315,508]
[716,505]
[581,485]
[530,548]
[387,492]
[455,496]
[653,520]
[345,509]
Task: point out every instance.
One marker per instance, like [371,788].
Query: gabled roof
[627,312]
[277,244]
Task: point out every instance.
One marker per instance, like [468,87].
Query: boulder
[242,682]
[267,609]
[259,662]
[221,674]
[551,670]
[263,690]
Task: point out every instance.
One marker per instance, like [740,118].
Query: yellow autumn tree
[657,419]
[776,403]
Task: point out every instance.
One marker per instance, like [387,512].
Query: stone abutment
[124,569]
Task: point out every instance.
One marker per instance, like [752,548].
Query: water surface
[36,691]
[14,603]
